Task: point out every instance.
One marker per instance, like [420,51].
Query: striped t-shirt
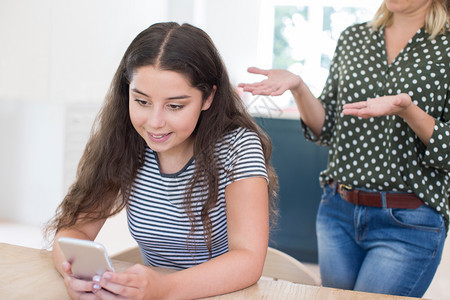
[156,216]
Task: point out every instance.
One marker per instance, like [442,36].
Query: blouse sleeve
[437,153]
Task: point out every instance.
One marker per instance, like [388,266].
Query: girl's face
[164,110]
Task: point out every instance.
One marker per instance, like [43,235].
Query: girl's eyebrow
[139,92]
[179,97]
[170,98]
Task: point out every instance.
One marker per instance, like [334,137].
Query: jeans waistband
[378,199]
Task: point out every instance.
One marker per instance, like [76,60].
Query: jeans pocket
[421,218]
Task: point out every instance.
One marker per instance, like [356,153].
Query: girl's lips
[159,138]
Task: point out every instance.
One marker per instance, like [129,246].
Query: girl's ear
[210,98]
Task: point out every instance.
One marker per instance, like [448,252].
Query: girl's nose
[156,118]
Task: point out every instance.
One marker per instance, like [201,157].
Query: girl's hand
[137,282]
[77,288]
[278,81]
[381,106]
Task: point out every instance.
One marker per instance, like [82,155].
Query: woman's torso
[384,153]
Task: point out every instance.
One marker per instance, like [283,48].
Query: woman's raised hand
[278,81]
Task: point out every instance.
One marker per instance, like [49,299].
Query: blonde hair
[436,20]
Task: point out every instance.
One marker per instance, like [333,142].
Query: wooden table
[28,273]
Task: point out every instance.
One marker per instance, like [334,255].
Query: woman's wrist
[419,121]
[298,86]
[408,107]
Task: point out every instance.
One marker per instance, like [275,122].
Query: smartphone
[88,258]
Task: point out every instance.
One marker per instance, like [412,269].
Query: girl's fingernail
[96,278]
[107,276]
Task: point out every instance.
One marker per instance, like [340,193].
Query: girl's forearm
[229,272]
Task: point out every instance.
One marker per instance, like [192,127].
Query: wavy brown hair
[114,151]
[436,20]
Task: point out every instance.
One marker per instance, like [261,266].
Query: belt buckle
[344,186]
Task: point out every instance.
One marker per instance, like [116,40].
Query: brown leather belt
[393,200]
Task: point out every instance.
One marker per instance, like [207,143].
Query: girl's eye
[141,102]
[175,106]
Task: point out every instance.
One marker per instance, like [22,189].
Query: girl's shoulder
[238,140]
[240,149]
[238,134]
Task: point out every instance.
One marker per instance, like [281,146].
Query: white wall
[31,159]
[235,27]
[59,55]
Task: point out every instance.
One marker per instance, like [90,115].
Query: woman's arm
[279,81]
[248,234]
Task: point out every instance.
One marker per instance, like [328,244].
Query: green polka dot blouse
[383,153]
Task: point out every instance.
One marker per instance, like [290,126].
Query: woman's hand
[382,106]
[278,81]
[401,105]
[137,282]
[77,288]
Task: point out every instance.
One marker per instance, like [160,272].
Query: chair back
[282,266]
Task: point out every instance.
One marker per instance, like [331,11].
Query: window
[304,39]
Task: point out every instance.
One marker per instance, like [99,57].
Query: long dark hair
[113,153]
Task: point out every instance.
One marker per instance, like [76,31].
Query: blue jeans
[378,250]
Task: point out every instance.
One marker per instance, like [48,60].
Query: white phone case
[88,258]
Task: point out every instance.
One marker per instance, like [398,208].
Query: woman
[385,114]
[174,144]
